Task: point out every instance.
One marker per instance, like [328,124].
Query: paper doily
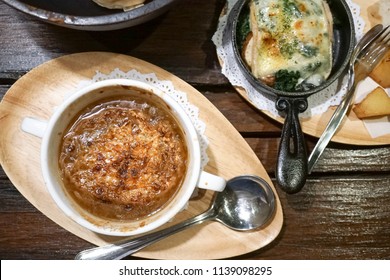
[317,104]
[167,87]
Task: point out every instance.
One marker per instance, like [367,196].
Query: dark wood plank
[340,218]
[179,41]
[343,212]
[346,217]
[34,236]
[335,159]
[241,114]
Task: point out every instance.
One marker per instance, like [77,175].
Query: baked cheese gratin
[289,43]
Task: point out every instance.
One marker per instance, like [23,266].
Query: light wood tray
[39,91]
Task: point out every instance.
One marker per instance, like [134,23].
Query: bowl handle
[34,126]
[291,169]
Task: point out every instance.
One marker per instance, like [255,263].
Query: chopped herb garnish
[287,49]
[286,80]
[311,67]
[243,27]
[291,9]
[308,51]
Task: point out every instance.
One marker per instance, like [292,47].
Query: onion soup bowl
[120,157]
[284,46]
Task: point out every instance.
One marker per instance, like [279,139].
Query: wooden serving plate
[352,130]
[42,89]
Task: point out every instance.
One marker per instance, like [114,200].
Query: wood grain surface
[49,84]
[343,212]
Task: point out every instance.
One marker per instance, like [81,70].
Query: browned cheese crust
[123,161]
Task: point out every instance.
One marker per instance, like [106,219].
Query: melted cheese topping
[123,159]
[295,35]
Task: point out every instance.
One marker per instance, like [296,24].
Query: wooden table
[343,212]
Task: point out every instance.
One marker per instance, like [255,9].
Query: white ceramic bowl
[51,141]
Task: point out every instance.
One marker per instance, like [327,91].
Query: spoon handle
[128,247]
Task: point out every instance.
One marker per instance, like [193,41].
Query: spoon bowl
[246,203]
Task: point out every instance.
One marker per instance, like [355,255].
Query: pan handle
[291,169]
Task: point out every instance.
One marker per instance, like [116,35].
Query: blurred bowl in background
[87,15]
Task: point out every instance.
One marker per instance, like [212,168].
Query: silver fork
[368,58]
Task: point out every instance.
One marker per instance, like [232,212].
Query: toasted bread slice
[381,73]
[247,50]
[375,104]
[294,46]
[119,4]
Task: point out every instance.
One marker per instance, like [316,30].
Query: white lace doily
[318,103]
[168,87]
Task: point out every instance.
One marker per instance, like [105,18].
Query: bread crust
[119,4]
[375,104]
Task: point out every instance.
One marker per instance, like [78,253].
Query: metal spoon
[341,110]
[246,203]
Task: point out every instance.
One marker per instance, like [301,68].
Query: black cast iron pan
[291,169]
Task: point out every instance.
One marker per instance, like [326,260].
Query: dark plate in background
[87,15]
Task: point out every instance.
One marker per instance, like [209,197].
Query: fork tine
[381,46]
[380,39]
[381,35]
[376,50]
[376,57]
[373,56]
